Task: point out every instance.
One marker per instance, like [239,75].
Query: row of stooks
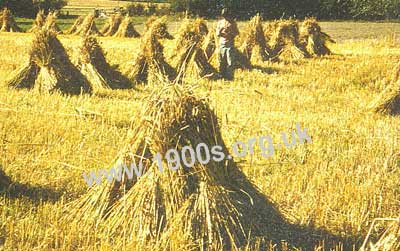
[117,25]
[196,52]
[307,41]
[49,67]
[280,32]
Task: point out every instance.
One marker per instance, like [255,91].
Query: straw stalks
[159,26]
[255,37]
[210,43]
[49,68]
[205,207]
[396,74]
[270,28]
[285,41]
[149,22]
[8,22]
[50,23]
[78,22]
[189,50]
[313,39]
[150,61]
[389,239]
[126,29]
[191,31]
[389,101]
[203,65]
[111,27]
[39,21]
[88,27]
[90,60]
[210,47]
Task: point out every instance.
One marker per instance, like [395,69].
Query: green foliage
[19,7]
[29,8]
[205,8]
[49,4]
[335,8]
[375,9]
[140,9]
[343,9]
[135,9]
[151,9]
[178,5]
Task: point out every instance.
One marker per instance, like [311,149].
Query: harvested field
[322,195]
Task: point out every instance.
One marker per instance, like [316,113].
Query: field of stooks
[88,97]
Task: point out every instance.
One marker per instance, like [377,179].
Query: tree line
[29,8]
[243,9]
[274,9]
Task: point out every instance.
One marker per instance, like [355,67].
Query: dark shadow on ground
[36,194]
[262,217]
[272,225]
[265,70]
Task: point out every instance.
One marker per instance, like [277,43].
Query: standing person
[227,30]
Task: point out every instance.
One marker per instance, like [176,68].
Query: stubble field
[335,186]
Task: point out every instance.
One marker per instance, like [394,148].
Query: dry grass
[77,24]
[388,240]
[253,36]
[149,63]
[126,29]
[90,60]
[8,23]
[285,41]
[314,39]
[88,27]
[149,22]
[341,182]
[210,44]
[112,26]
[189,56]
[86,54]
[159,25]
[205,207]
[49,68]
[388,102]
[39,21]
[51,23]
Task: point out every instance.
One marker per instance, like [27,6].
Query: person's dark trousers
[227,62]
